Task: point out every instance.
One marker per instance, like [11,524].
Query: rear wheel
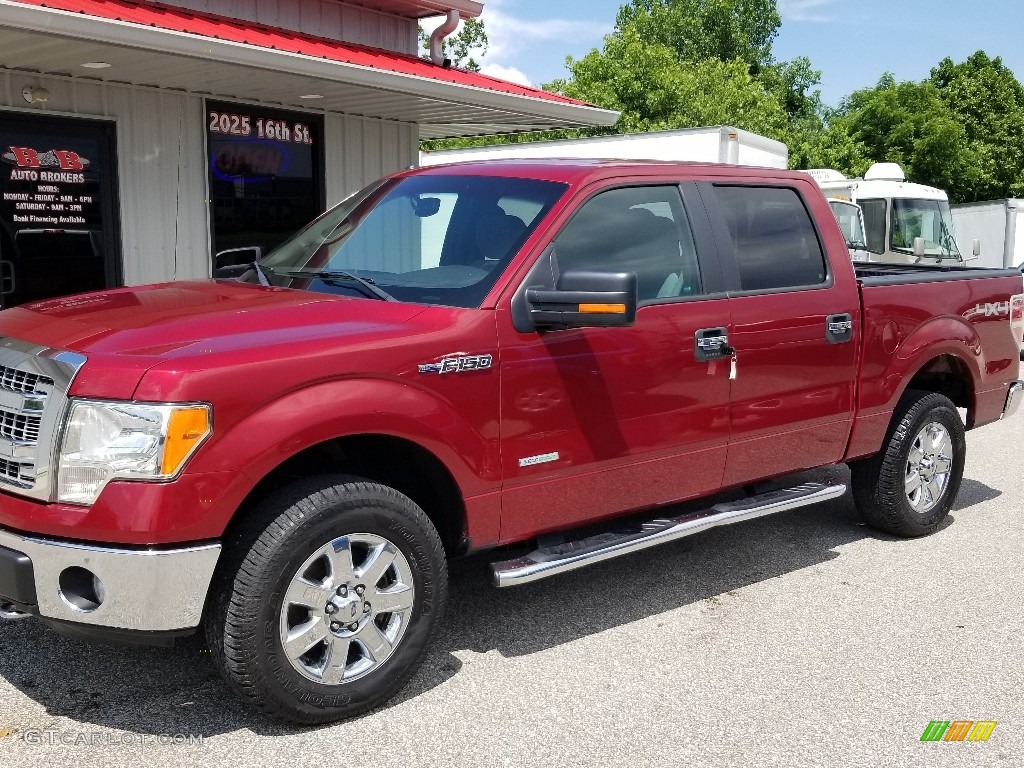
[328,601]
[908,488]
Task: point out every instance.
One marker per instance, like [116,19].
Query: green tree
[687,63]
[655,90]
[698,30]
[959,130]
[909,123]
[988,101]
[463,48]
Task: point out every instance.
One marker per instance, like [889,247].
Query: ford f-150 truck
[496,356]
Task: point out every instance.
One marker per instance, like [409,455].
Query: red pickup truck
[484,357]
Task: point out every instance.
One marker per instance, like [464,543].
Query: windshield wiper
[367,285]
[260,274]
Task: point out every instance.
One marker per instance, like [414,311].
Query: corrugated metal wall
[324,18]
[162,170]
[361,149]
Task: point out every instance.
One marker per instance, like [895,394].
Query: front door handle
[712,344]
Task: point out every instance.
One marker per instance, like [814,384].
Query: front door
[597,420]
[58,208]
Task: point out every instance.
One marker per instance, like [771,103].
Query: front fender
[283,428]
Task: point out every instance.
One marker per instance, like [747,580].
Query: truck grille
[34,382]
[21,475]
[20,429]
[14,380]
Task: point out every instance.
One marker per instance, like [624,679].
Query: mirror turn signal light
[603,309]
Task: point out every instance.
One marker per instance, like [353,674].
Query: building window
[266,177]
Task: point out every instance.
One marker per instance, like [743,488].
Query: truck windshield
[929,219]
[427,239]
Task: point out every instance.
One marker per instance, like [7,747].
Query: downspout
[437,38]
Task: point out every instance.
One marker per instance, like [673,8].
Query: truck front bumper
[1013,399]
[136,590]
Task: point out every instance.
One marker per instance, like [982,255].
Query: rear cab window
[774,238]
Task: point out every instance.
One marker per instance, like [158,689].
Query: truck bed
[899,274]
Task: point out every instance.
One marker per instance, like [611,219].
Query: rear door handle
[712,344]
[838,329]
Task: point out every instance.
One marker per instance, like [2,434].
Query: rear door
[796,329]
[595,421]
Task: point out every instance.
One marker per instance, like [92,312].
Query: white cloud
[804,10]
[511,74]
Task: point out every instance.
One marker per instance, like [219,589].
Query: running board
[559,558]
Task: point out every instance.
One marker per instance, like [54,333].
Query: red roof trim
[272,38]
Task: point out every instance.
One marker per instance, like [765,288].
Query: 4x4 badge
[459,364]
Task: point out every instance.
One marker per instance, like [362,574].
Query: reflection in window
[776,244]
[635,229]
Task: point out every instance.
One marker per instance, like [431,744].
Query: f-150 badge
[459,364]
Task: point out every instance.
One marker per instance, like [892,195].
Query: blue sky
[851,41]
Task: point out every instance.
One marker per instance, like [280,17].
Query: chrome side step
[550,561]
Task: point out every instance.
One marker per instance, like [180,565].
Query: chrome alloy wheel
[928,467]
[346,609]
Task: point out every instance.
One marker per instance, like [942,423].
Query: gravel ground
[804,639]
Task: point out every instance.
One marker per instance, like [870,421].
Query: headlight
[104,441]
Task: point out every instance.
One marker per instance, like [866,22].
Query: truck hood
[129,330]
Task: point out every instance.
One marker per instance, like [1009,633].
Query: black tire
[879,482]
[263,557]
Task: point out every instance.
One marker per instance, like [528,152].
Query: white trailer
[717,144]
[994,224]
[904,223]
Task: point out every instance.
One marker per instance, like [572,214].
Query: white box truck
[994,223]
[716,144]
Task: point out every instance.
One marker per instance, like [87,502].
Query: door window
[635,229]
[874,224]
[58,198]
[776,244]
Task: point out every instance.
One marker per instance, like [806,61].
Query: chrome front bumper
[1013,399]
[147,590]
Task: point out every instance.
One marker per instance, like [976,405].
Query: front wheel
[329,599]
[908,488]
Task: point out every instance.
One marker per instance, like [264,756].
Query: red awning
[179,20]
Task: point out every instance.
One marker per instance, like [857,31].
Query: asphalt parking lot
[803,639]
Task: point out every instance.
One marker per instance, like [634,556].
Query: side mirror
[919,247]
[976,247]
[425,207]
[237,256]
[585,299]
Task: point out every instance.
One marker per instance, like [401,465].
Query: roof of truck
[574,170]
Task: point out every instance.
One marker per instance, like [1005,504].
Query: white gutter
[77,26]
[437,39]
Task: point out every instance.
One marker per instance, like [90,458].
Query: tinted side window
[874,224]
[635,229]
[776,245]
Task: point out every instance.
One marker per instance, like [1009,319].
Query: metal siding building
[153,75]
